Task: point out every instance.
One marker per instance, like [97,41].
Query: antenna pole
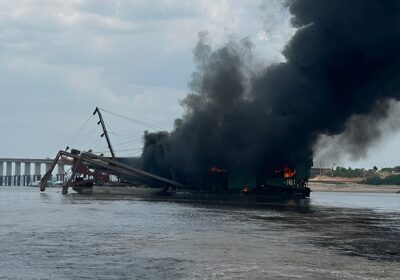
[105,132]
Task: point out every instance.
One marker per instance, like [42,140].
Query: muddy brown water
[330,236]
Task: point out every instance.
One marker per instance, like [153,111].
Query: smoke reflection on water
[50,236]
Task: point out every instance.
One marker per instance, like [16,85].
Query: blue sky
[61,59]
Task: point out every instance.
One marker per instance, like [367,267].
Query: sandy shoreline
[326,186]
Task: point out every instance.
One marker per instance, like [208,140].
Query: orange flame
[288,173]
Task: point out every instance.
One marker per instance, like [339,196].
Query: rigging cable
[146,124]
[74,139]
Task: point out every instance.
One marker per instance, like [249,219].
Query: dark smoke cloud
[361,132]
[343,61]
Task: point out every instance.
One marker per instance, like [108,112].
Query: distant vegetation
[395,169]
[384,176]
[353,173]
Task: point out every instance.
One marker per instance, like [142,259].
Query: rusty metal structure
[89,169]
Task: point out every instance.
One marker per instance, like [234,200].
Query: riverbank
[343,186]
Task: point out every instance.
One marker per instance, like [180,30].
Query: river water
[331,236]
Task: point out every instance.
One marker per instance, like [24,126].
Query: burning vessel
[97,174]
[93,174]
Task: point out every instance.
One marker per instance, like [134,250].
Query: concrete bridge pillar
[37,176]
[48,166]
[17,177]
[22,171]
[1,173]
[60,172]
[27,173]
[8,173]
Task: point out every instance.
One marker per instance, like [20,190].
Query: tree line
[373,176]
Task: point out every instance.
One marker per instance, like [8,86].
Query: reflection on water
[330,236]
[385,202]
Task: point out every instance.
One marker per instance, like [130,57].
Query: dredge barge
[96,174]
[93,174]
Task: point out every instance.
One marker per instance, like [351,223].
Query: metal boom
[105,132]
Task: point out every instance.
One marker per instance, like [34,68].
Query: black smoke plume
[343,61]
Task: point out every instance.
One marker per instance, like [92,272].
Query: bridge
[33,169]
